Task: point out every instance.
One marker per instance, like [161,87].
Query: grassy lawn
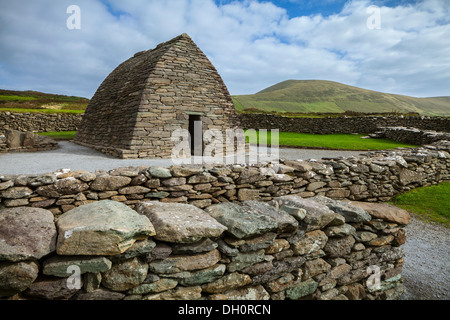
[430,204]
[63,135]
[336,141]
[31,101]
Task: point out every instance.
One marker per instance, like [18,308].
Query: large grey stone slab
[286,222]
[345,209]
[179,222]
[242,221]
[101,228]
[317,216]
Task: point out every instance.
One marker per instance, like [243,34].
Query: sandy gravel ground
[426,270]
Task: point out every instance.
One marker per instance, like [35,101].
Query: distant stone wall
[17,141]
[332,125]
[38,122]
[410,135]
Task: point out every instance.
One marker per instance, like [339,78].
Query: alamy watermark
[73,22]
[374,281]
[234,146]
[373,22]
[74,281]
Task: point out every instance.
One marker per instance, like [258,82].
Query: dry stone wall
[17,141]
[291,248]
[38,122]
[331,125]
[373,177]
[288,230]
[410,135]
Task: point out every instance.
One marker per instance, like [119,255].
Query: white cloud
[253,44]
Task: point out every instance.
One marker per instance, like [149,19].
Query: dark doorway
[195,135]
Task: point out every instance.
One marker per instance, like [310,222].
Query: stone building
[144,100]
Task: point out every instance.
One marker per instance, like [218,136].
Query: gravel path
[426,270]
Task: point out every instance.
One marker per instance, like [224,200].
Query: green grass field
[430,204]
[31,101]
[63,135]
[335,141]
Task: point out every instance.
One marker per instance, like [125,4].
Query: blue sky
[252,43]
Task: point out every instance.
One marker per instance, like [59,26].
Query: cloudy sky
[394,46]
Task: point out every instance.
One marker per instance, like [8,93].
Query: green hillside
[319,96]
[32,101]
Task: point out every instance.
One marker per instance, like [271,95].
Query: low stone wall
[374,176]
[333,125]
[38,122]
[271,231]
[410,135]
[17,141]
[292,248]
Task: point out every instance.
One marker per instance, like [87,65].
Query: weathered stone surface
[301,289]
[109,183]
[62,187]
[160,252]
[229,282]
[185,171]
[155,287]
[59,265]
[311,242]
[178,222]
[381,241]
[17,193]
[248,294]
[337,247]
[314,267]
[340,231]
[281,283]
[125,275]
[101,228]
[281,267]
[203,245]
[200,277]
[26,233]
[244,260]
[384,211]
[51,288]
[160,172]
[286,222]
[277,246]
[408,176]
[100,294]
[134,190]
[242,222]
[349,212]
[174,264]
[318,215]
[297,213]
[179,293]
[16,277]
[139,248]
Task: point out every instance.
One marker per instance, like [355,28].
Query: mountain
[320,96]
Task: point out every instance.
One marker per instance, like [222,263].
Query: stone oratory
[145,99]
